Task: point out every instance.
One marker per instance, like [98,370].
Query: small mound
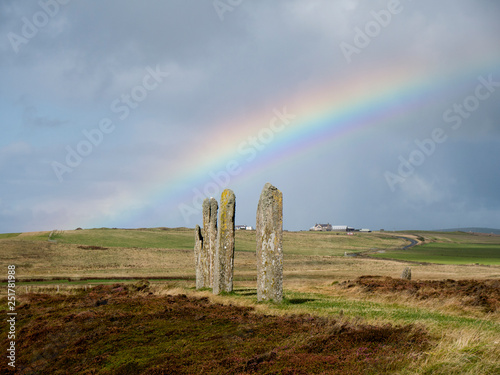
[92,247]
[479,293]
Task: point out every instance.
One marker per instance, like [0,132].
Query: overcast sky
[372,114]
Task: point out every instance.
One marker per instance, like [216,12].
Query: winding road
[413,242]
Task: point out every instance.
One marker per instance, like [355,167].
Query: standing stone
[270,244]
[406,274]
[224,254]
[210,237]
[199,258]
[205,250]
[206,216]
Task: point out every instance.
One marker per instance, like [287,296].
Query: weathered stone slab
[200,258]
[205,252]
[210,207]
[206,216]
[270,245]
[212,237]
[406,274]
[224,255]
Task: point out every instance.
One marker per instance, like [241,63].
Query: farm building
[342,228]
[331,228]
[243,227]
[322,228]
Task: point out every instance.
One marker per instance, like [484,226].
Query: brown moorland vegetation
[97,332]
[479,293]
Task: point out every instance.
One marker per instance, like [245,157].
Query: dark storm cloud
[259,56]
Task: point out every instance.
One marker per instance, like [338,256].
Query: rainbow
[350,109]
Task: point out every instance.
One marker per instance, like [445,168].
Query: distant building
[331,228]
[342,228]
[365,230]
[243,227]
[322,228]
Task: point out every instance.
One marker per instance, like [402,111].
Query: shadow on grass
[245,292]
[253,292]
[299,301]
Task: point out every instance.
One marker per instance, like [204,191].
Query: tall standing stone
[270,244]
[212,238]
[205,251]
[200,258]
[224,254]
[210,207]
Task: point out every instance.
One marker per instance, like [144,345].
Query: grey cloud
[261,56]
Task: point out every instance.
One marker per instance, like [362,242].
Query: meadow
[82,306]
[451,248]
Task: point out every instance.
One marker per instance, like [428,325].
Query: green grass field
[179,238]
[8,235]
[450,248]
[299,243]
[446,253]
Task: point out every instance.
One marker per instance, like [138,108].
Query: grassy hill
[472,230]
[312,243]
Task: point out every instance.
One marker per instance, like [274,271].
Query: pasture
[451,248]
[82,308]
